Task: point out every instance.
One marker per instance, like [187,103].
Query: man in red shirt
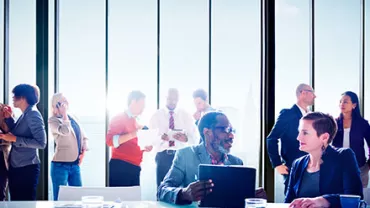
[124,166]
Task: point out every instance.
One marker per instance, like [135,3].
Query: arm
[115,137]
[62,129]
[351,178]
[170,188]
[37,127]
[10,123]
[367,138]
[290,193]
[275,134]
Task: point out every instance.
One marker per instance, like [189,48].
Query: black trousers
[164,161]
[122,173]
[23,182]
[3,177]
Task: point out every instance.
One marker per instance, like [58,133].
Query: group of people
[315,166]
[336,162]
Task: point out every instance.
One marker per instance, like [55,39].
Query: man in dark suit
[286,130]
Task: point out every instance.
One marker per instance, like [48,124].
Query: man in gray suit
[181,185]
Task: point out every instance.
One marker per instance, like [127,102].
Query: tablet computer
[232,185]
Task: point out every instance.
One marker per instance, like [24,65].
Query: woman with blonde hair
[70,145]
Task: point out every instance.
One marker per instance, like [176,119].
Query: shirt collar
[130,115]
[303,111]
[168,110]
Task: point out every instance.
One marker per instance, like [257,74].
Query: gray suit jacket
[30,132]
[184,170]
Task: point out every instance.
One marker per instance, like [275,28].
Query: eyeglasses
[227,129]
[308,91]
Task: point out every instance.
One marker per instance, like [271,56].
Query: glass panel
[367,69]
[184,32]
[292,60]
[2,51]
[133,66]
[51,90]
[82,77]
[22,48]
[236,72]
[337,51]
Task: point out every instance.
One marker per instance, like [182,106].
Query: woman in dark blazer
[353,130]
[317,179]
[27,136]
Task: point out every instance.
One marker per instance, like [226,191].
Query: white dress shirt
[303,111]
[182,120]
[346,142]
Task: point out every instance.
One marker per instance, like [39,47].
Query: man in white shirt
[177,130]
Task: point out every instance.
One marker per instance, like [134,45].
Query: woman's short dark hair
[322,123]
[354,99]
[29,92]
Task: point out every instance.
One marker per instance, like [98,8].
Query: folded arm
[37,127]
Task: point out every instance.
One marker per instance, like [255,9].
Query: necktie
[172,121]
[172,126]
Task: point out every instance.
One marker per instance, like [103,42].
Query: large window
[367,67]
[184,45]
[1,51]
[292,60]
[82,77]
[22,44]
[133,66]
[235,73]
[337,51]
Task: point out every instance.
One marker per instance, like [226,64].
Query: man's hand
[282,170]
[196,191]
[165,137]
[81,157]
[181,137]
[63,110]
[7,111]
[148,148]
[197,115]
[261,193]
[8,137]
[310,202]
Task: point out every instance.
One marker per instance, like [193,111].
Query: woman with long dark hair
[353,130]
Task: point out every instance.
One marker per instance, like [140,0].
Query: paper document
[147,137]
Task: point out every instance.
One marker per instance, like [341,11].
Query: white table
[138,204]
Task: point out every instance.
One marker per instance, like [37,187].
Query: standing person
[166,120]
[4,153]
[353,130]
[124,166]
[27,137]
[286,130]
[70,145]
[202,105]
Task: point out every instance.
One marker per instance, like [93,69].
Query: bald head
[172,98]
[305,94]
[302,87]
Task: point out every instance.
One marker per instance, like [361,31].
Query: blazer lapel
[22,116]
[203,155]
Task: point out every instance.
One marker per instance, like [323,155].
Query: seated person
[317,179]
[180,185]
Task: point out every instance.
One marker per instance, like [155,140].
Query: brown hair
[322,123]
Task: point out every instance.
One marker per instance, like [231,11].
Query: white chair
[72,193]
